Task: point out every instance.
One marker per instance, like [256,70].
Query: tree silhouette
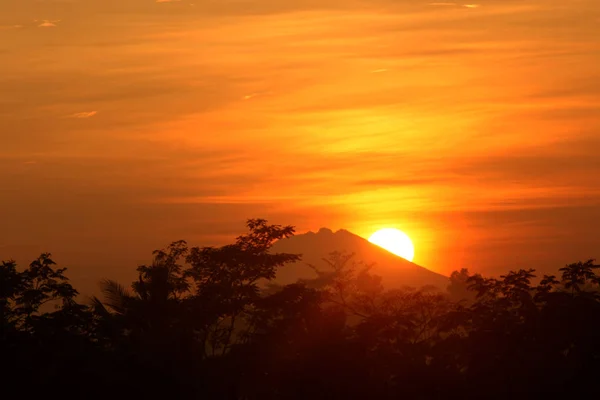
[458,288]
[23,295]
[575,276]
[211,322]
[45,333]
[227,280]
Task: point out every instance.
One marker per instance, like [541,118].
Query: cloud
[374,115]
[88,114]
[256,94]
[455,5]
[48,23]
[10,27]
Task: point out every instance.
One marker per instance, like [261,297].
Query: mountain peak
[314,247]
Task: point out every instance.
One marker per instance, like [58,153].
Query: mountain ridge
[396,272]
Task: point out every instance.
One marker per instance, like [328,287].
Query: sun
[394,241]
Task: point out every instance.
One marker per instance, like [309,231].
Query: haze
[127,124]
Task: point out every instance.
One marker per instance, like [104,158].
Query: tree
[153,318]
[458,288]
[23,295]
[44,333]
[575,276]
[209,322]
[227,280]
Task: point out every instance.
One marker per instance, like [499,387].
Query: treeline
[210,323]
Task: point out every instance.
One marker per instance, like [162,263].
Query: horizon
[125,274]
[472,127]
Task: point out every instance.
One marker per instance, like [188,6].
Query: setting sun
[394,241]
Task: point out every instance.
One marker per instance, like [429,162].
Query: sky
[128,124]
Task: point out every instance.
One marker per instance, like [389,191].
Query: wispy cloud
[87,114]
[46,23]
[378,115]
[10,27]
[257,94]
[455,5]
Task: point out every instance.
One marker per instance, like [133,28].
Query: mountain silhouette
[396,272]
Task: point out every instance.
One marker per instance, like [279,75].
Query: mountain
[395,271]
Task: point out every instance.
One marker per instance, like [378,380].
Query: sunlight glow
[394,241]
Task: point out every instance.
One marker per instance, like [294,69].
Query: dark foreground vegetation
[205,323]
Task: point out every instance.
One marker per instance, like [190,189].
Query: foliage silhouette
[211,323]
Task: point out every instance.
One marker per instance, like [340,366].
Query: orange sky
[126,124]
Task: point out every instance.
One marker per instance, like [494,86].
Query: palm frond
[98,307]
[116,296]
